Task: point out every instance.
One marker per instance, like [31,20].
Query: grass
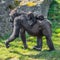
[17,52]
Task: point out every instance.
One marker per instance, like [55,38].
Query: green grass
[16,51]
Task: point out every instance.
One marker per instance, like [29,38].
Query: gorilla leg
[15,33]
[49,43]
[23,37]
[39,43]
[47,33]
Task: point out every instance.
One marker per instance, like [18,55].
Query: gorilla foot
[51,49]
[7,45]
[37,48]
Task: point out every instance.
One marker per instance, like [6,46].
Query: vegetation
[54,16]
[54,12]
[16,51]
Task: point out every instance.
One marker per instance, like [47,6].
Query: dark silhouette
[40,27]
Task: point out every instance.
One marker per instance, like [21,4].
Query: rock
[5,26]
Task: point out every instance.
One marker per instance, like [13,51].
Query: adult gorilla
[39,28]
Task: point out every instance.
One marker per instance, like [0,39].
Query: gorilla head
[12,15]
[30,15]
[31,18]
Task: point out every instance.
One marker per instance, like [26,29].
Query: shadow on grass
[42,54]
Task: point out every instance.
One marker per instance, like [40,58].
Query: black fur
[39,29]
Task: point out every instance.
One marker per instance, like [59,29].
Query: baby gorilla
[31,19]
[39,29]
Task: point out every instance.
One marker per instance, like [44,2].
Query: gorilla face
[13,15]
[30,15]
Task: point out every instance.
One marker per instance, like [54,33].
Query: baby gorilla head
[40,17]
[30,15]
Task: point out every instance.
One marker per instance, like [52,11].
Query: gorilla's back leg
[49,43]
[48,34]
[15,33]
[39,43]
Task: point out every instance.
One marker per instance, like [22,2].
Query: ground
[17,52]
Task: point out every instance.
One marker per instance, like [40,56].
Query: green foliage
[54,15]
[58,1]
[54,11]
[57,30]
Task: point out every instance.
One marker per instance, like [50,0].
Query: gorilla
[34,25]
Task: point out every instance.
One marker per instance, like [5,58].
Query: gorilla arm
[15,33]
